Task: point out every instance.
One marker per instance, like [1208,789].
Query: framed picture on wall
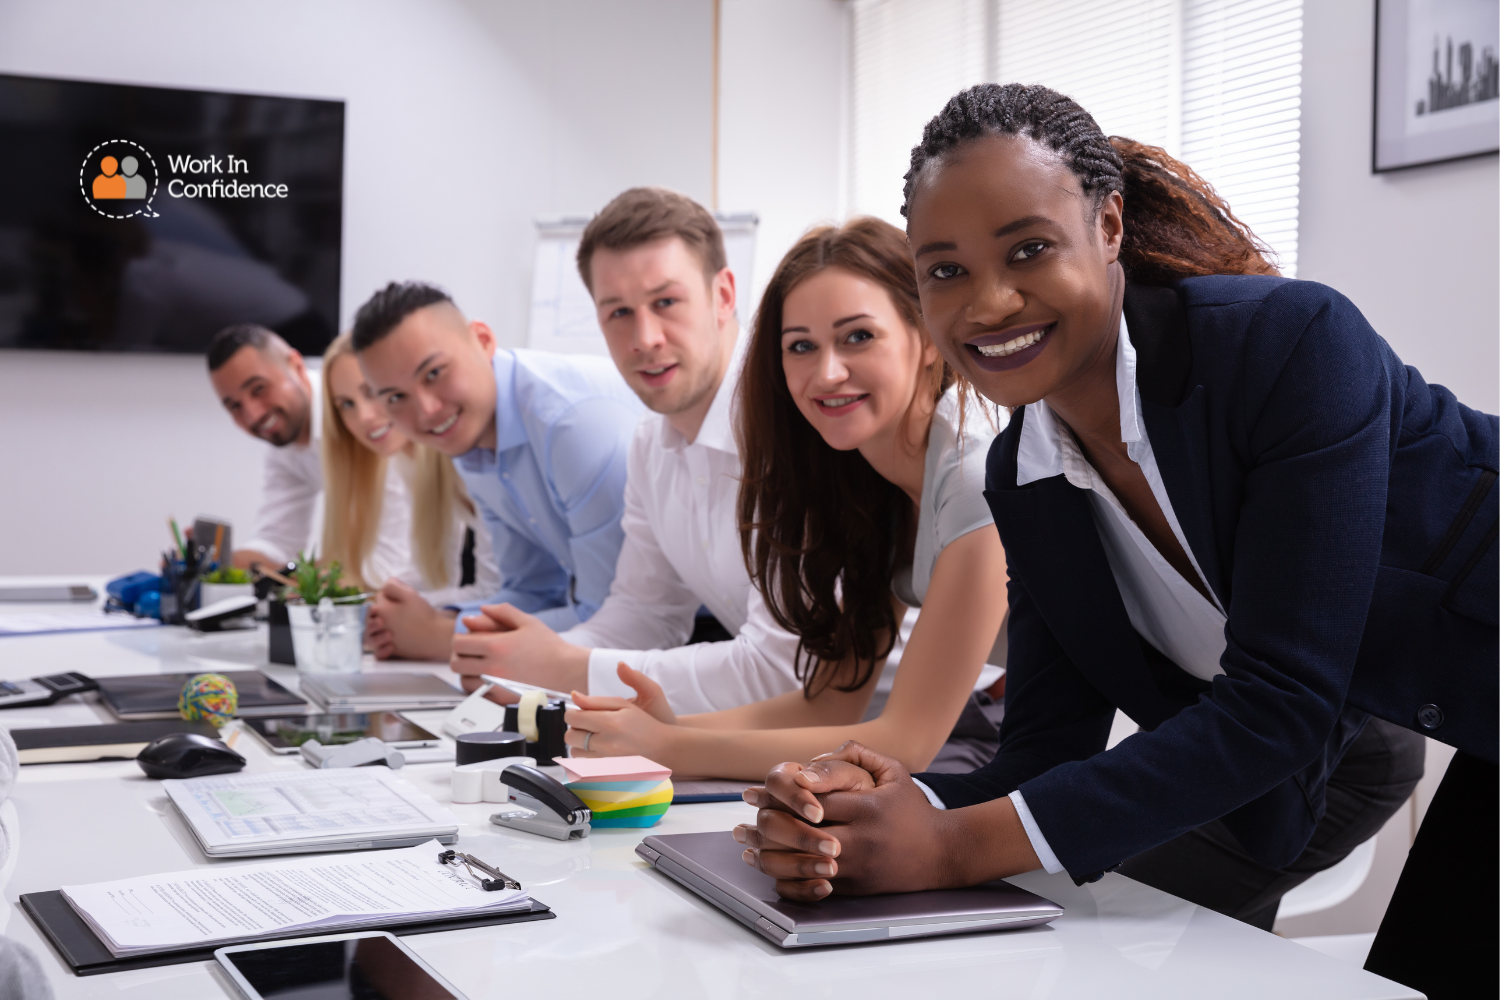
[1437,81]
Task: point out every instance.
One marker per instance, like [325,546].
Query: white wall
[1416,250]
[783,100]
[465,120]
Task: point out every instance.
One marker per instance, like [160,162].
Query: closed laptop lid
[156,694]
[379,686]
[717,858]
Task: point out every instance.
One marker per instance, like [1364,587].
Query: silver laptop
[710,864]
[376,692]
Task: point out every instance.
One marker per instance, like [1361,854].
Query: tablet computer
[354,966]
[287,734]
[711,865]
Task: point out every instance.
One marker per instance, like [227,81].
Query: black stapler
[540,804]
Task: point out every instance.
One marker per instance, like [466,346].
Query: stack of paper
[218,906]
[286,812]
[620,791]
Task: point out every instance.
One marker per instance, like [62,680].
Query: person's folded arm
[953,635]
[711,677]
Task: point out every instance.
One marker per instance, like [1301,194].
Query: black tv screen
[149,218]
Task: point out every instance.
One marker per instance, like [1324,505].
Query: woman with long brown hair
[1231,513]
[861,498]
[391,509]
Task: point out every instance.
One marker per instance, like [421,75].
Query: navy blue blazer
[1344,513]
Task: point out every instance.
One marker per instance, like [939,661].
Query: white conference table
[621,929]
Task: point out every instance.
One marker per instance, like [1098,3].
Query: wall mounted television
[148,218]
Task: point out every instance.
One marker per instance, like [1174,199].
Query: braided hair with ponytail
[1176,225]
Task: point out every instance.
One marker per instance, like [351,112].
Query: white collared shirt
[682,551]
[293,480]
[1163,607]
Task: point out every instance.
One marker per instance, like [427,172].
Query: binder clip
[542,805]
[491,879]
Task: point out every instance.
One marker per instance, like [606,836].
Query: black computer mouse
[187,755]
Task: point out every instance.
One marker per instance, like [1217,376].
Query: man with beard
[263,383]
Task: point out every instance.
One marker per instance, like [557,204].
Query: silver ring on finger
[586,738]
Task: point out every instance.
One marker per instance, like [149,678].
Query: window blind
[1242,111]
[910,56]
[1215,82]
[1117,58]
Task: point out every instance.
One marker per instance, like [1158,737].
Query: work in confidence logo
[120,178]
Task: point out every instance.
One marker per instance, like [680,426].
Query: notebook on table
[154,696]
[72,744]
[259,813]
[711,866]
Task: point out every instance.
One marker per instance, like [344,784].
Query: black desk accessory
[475,748]
[86,955]
[542,805]
[111,741]
[188,755]
[44,690]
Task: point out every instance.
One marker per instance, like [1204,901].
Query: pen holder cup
[328,638]
[179,592]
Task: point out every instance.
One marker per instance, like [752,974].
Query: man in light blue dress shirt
[539,439]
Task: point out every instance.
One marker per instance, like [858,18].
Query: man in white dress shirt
[654,262]
[263,383]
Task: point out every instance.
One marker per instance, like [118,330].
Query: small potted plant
[327,618]
[225,582]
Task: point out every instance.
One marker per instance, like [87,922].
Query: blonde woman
[394,510]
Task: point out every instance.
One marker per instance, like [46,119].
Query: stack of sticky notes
[620,791]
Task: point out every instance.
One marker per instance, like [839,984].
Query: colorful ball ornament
[212,697]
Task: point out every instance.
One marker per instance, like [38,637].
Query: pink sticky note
[613,769]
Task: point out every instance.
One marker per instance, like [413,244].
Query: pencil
[181,547]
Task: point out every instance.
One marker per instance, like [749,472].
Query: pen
[521,687]
[181,548]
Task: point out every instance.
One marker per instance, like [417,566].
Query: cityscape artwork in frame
[1437,81]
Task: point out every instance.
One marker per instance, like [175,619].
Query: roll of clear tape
[526,713]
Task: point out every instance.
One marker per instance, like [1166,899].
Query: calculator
[44,690]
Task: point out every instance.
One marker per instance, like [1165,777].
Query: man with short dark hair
[263,383]
[539,439]
[654,262]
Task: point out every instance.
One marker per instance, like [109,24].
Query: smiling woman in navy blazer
[1229,511]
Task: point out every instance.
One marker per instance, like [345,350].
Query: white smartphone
[359,966]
